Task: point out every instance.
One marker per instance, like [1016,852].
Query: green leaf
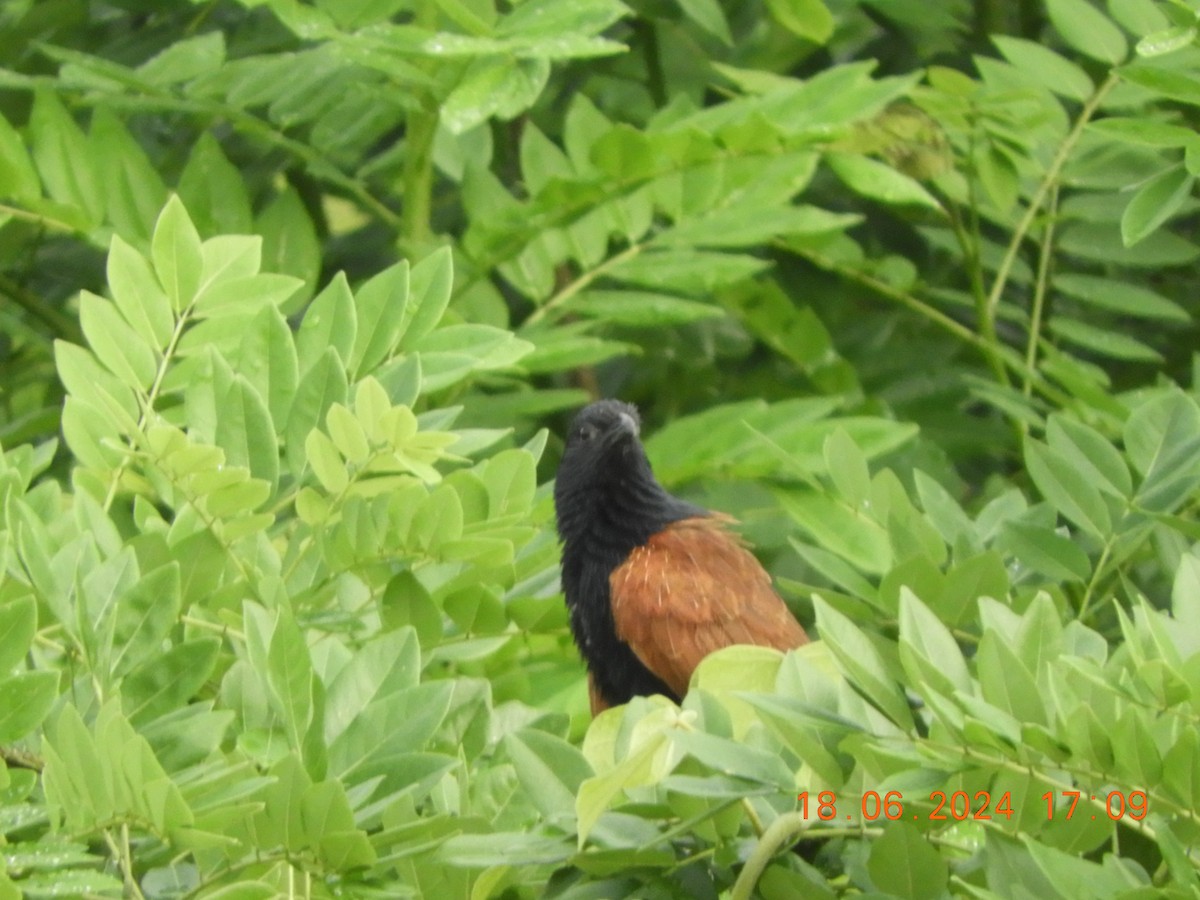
[430,283]
[846,532]
[372,407]
[290,243]
[1046,67]
[185,59]
[709,16]
[1143,131]
[382,312]
[212,188]
[268,360]
[848,468]
[382,667]
[642,308]
[167,681]
[138,294]
[115,344]
[1089,452]
[70,883]
[18,178]
[175,249]
[905,864]
[928,651]
[320,387]
[438,519]
[246,432]
[1154,203]
[328,823]
[1137,16]
[233,296]
[1044,551]
[18,623]
[790,329]
[1185,602]
[290,678]
[1162,440]
[1177,85]
[808,19]
[550,770]
[1160,43]
[402,722]
[568,347]
[690,272]
[25,700]
[551,18]
[230,257]
[511,479]
[62,157]
[325,462]
[329,322]
[244,890]
[473,18]
[348,434]
[998,175]
[648,764]
[1006,683]
[1068,489]
[406,602]
[500,87]
[90,434]
[878,181]
[1104,341]
[453,352]
[860,661]
[144,616]
[1087,30]
[133,190]
[944,511]
[1120,297]
[1033,869]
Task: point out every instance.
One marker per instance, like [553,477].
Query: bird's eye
[588,432]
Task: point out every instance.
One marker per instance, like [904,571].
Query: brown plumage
[653,584]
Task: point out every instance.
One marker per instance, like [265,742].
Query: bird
[652,583]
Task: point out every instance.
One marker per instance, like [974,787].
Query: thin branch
[1049,182]
[36,306]
[779,833]
[1045,257]
[582,282]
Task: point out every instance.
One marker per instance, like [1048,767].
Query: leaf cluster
[295,296]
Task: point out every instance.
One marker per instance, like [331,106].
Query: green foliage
[294,296]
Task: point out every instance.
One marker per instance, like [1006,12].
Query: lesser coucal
[653,584]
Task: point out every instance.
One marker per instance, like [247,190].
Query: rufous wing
[693,588]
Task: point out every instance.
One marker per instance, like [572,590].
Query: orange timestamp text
[961,806]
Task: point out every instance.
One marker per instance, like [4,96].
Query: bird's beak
[628,425]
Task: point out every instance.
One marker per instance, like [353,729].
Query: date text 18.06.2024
[960,806]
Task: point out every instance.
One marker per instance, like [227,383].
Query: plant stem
[124,858]
[59,323]
[656,82]
[420,127]
[939,318]
[583,281]
[1049,182]
[415,228]
[1090,590]
[1045,257]
[782,830]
